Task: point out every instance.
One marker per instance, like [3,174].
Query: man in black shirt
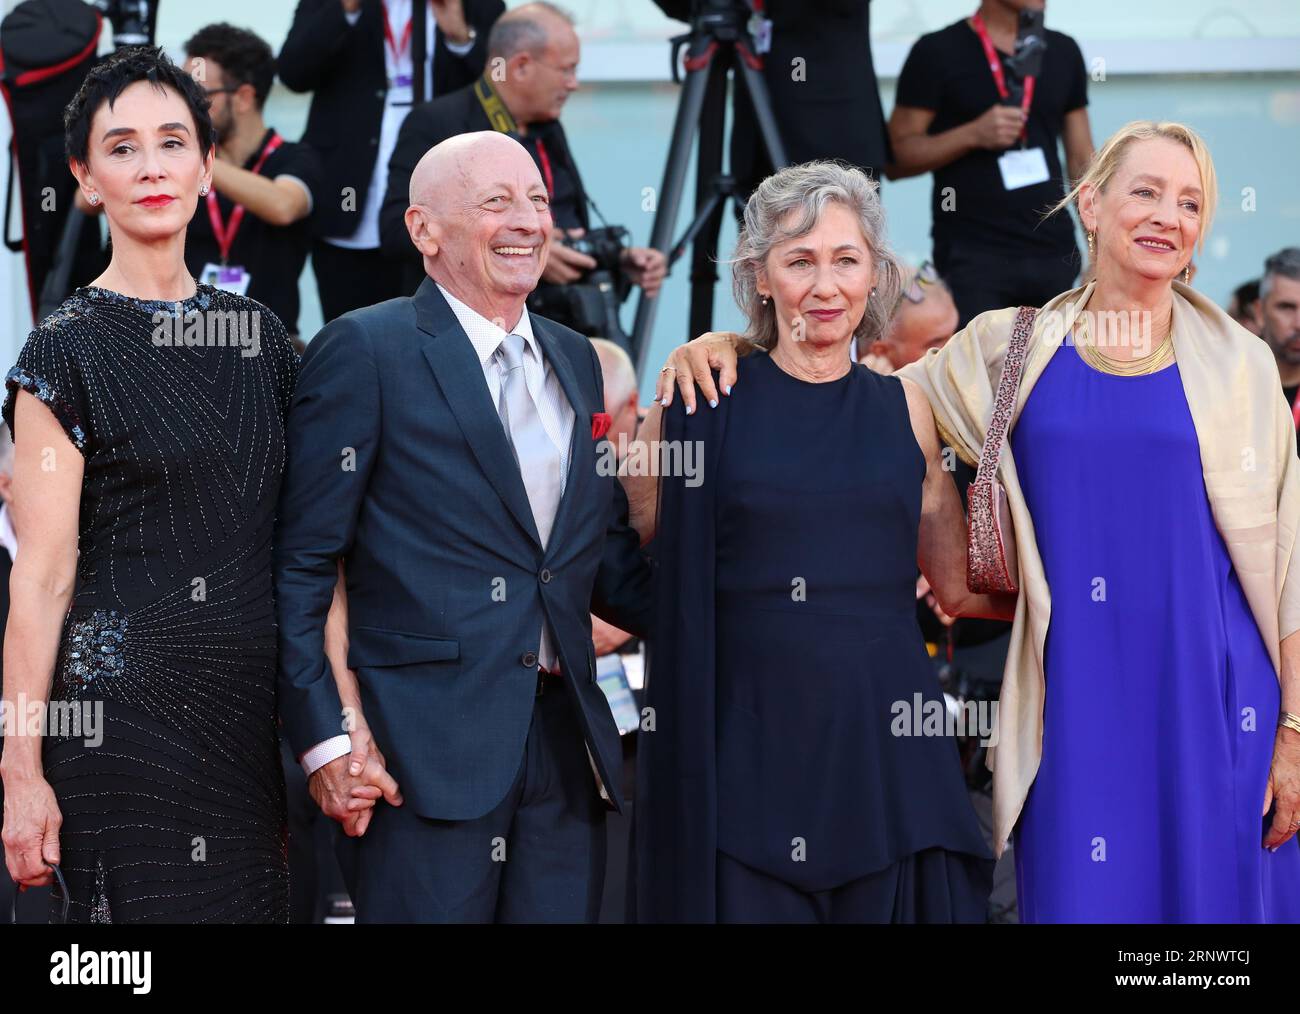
[533,58]
[252,232]
[1277,315]
[991,188]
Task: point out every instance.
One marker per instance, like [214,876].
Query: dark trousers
[537,857]
[350,279]
[983,278]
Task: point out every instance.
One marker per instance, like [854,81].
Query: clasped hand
[348,787]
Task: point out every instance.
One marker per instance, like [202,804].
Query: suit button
[545,575]
[374,140]
[529,659]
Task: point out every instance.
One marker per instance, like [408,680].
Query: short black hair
[1246,293]
[244,57]
[107,80]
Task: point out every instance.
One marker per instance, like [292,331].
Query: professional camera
[604,245]
[132,20]
[590,305]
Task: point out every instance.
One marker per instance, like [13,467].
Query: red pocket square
[600,424]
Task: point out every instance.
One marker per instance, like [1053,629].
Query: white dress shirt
[543,383]
[396,105]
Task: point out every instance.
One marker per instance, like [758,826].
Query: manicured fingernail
[726,389]
[355,769]
[690,409]
[663,402]
[713,403]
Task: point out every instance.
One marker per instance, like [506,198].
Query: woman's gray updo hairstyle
[805,190]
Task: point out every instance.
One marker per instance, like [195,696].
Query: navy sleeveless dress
[828,806]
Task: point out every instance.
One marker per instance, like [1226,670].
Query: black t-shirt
[273,255]
[946,72]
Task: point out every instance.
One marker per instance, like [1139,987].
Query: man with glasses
[533,56]
[252,232]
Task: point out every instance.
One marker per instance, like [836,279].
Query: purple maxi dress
[1161,701]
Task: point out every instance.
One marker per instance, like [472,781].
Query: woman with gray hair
[800,769]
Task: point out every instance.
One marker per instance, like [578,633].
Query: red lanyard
[995,65]
[398,52]
[1295,410]
[225,234]
[546,169]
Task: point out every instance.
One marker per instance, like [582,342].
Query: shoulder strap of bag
[1004,402]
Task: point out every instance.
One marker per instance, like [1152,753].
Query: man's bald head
[481,219]
[458,160]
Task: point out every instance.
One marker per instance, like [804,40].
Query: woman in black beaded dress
[148,421]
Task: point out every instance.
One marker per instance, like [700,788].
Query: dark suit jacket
[428,124]
[398,462]
[344,66]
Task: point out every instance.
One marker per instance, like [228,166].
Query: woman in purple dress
[1169,783]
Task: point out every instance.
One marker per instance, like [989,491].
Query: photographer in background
[367,62]
[251,233]
[533,56]
[965,111]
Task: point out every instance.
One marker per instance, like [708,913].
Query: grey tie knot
[511,352]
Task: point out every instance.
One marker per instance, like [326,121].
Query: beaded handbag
[991,564]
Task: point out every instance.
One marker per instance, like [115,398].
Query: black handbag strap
[63,894]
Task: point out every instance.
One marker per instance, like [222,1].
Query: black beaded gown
[174,808]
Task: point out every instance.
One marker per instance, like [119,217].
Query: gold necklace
[1152,362]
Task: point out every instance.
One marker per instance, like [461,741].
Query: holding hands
[348,787]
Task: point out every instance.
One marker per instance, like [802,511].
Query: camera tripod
[718,42]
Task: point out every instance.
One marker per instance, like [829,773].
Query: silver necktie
[539,460]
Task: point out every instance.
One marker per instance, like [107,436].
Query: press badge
[1023,167]
[761,29]
[231,278]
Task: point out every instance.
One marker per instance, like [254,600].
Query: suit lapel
[460,378]
[581,450]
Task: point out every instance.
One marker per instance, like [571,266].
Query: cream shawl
[1248,456]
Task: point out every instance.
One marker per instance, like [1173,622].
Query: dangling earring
[93,199]
[763,300]
[1092,246]
[1187,274]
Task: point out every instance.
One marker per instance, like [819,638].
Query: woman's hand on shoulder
[693,364]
